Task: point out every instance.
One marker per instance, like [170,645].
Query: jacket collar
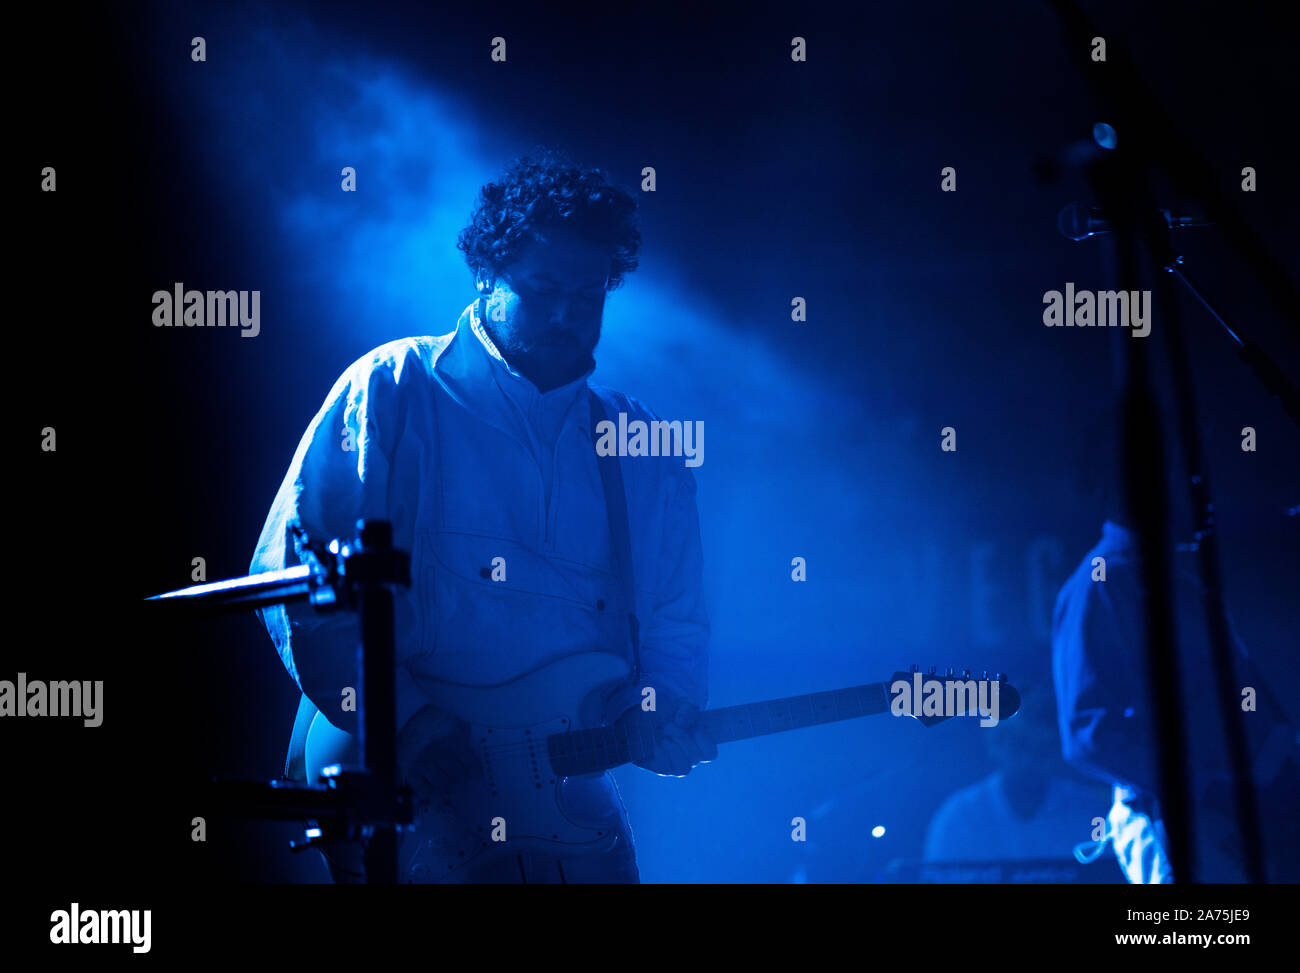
[477,375]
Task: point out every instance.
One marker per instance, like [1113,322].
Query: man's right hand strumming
[434,752]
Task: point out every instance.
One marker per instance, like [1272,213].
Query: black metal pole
[378,717]
[1151,142]
[1142,460]
[1197,482]
[1120,180]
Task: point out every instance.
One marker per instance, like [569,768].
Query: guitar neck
[794,712]
[602,748]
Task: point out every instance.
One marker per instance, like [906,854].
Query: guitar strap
[611,478]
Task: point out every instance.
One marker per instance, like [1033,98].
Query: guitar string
[520,746]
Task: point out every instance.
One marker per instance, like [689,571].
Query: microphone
[1078,222]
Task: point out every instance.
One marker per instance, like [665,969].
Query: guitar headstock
[932,697]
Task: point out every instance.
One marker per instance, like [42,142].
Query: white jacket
[469,462]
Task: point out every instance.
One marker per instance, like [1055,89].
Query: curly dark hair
[547,191]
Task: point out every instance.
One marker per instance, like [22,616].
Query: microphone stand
[1276,382]
[1077,227]
[356,805]
[1121,179]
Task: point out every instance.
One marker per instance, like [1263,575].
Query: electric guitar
[529,734]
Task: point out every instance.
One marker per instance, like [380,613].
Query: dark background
[775,179]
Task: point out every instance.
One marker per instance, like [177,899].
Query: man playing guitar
[545,578]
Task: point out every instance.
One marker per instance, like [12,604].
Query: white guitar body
[518,793]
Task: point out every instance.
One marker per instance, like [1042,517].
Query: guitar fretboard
[606,747]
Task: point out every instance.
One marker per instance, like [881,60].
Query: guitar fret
[840,701]
[855,697]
